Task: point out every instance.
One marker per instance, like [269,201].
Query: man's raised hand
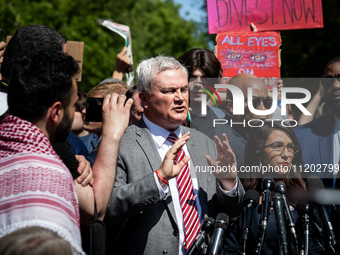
[169,168]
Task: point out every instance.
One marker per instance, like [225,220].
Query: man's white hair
[149,68]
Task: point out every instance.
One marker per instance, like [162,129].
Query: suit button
[165,252]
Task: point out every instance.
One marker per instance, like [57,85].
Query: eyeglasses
[279,147]
[328,81]
[267,101]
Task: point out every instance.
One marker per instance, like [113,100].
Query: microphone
[304,210]
[221,223]
[206,228]
[251,201]
[267,187]
[281,188]
[278,205]
[315,184]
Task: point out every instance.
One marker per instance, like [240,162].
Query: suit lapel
[147,144]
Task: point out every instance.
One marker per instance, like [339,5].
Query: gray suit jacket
[148,223]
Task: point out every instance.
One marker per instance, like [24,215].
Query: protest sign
[257,53]
[76,50]
[123,31]
[267,15]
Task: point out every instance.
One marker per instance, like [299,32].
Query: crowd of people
[150,166]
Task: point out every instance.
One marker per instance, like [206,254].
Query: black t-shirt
[64,150]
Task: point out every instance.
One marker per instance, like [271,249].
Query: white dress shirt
[160,136]
[336,146]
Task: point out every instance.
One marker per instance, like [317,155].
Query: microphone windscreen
[208,224]
[251,195]
[267,183]
[314,183]
[222,218]
[209,219]
[280,187]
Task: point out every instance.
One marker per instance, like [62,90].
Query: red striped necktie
[186,199]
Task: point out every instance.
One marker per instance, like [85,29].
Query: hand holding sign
[123,31]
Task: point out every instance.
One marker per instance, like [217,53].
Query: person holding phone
[92,112]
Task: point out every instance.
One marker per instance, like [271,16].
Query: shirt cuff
[230,193]
[163,189]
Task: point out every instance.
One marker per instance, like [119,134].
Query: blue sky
[191,9]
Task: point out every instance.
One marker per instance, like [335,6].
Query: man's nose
[261,106]
[198,82]
[179,95]
[336,84]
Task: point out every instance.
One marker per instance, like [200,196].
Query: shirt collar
[158,133]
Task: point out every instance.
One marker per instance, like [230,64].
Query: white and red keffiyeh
[36,188]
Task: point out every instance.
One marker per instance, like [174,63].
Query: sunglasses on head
[267,101]
[328,81]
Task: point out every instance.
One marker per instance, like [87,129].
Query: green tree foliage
[156,28]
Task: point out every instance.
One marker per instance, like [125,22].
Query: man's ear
[56,112]
[144,98]
[229,105]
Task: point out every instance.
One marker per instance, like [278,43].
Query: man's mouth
[180,109]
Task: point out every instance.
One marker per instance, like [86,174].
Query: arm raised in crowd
[115,121]
[122,64]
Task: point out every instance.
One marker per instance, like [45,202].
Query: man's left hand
[225,165]
[85,172]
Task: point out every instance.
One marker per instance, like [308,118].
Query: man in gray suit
[149,201]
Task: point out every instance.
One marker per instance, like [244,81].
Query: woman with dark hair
[275,147]
[204,71]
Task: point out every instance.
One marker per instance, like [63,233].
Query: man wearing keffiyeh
[36,188]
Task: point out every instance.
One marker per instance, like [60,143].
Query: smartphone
[94,109]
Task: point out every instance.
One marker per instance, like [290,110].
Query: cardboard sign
[75,49]
[257,53]
[267,15]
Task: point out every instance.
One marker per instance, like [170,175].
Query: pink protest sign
[236,15]
[257,53]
